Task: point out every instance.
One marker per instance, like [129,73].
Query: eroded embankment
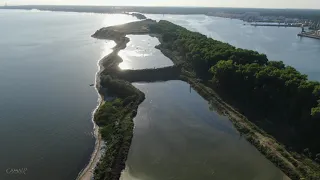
[115,117]
[150,75]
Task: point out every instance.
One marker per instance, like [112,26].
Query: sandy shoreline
[88,172]
[292,164]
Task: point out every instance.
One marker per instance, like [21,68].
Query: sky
[301,4]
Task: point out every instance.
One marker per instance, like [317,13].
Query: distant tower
[5,4]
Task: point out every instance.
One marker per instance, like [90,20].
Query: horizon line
[96,5]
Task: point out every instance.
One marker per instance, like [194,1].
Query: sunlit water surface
[141,53]
[47,62]
[177,136]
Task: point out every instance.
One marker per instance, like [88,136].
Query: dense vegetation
[115,121]
[149,75]
[275,97]
[268,90]
[139,16]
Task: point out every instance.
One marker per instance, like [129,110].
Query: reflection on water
[107,48]
[176,136]
[47,61]
[277,43]
[140,53]
[115,19]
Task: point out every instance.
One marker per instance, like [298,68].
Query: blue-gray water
[177,136]
[47,61]
[278,43]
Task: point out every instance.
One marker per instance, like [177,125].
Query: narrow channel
[178,136]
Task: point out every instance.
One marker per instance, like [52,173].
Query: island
[272,105]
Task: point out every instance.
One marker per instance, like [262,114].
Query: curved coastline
[292,164]
[87,172]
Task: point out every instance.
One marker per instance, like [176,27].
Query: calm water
[177,137]
[47,61]
[140,53]
[277,43]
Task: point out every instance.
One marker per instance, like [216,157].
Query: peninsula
[137,15]
[262,98]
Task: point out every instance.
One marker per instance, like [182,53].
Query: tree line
[278,93]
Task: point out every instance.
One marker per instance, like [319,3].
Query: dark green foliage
[106,113]
[256,78]
[276,64]
[269,89]
[116,126]
[200,51]
[278,93]
[121,88]
[315,112]
[109,117]
[149,75]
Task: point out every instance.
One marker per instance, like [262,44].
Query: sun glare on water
[107,48]
[117,19]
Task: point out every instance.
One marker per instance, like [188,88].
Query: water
[277,43]
[140,53]
[47,61]
[176,136]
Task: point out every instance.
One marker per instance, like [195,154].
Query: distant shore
[309,35]
[276,25]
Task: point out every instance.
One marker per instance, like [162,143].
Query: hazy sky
[315,4]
